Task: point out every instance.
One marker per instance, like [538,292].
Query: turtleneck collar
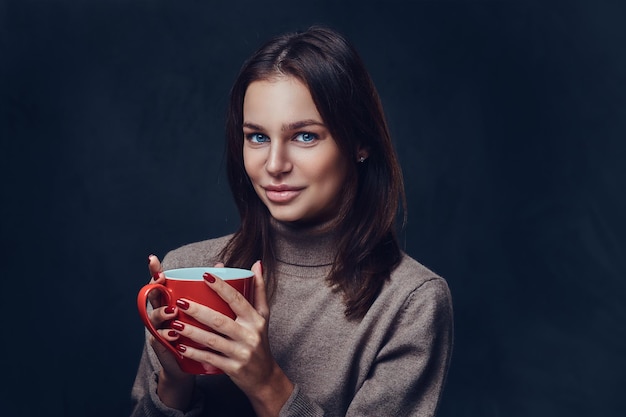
[303,245]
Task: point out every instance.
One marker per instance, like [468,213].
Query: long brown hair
[349,104]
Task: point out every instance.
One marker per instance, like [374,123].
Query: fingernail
[184,305]
[155,275]
[177,325]
[150,257]
[208,278]
[172,333]
[181,348]
[169,310]
[261,266]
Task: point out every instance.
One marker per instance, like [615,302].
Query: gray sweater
[393,362]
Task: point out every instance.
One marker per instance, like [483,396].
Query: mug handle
[142,301]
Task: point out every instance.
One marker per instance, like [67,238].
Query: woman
[357,327]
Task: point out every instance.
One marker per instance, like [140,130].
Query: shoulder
[411,274]
[413,306]
[203,253]
[411,282]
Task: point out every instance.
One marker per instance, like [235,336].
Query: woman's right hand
[175,386]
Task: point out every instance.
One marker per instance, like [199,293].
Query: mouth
[282,194]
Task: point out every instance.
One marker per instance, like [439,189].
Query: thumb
[260,295]
[154,266]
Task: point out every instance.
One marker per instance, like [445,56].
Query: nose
[278,161]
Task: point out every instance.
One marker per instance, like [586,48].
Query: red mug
[188,283]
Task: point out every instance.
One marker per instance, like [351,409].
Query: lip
[282,194]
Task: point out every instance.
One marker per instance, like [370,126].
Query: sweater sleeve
[299,405]
[409,372]
[217,391]
[145,401]
[408,375]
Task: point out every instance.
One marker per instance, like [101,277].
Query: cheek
[332,175]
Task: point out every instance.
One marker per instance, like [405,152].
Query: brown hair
[349,104]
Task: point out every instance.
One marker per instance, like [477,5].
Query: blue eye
[306,137]
[257,138]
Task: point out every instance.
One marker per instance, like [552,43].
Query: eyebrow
[290,126]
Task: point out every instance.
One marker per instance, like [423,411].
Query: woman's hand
[175,387]
[241,346]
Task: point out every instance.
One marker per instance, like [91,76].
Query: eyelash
[254,137]
[313,137]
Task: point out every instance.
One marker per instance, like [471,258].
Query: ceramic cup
[188,283]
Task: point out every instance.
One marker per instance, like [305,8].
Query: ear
[362,154]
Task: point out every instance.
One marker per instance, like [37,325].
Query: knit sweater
[392,362]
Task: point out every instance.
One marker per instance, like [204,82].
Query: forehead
[283,99]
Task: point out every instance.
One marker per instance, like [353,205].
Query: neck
[303,245]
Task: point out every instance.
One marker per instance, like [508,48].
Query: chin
[286,215]
[285,218]
[298,220]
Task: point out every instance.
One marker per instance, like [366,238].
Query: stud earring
[362,159]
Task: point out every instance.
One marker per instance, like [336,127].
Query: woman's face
[292,160]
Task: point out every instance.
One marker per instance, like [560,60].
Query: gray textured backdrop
[510,121]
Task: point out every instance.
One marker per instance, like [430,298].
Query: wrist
[268,400]
[175,391]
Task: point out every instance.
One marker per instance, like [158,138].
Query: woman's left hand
[243,344]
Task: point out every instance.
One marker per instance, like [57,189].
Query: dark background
[510,122]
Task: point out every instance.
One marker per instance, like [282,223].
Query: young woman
[357,327]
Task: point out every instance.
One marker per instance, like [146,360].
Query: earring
[362,159]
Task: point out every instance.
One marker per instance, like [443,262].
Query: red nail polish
[181,348]
[155,275]
[208,278]
[169,310]
[172,333]
[177,325]
[184,305]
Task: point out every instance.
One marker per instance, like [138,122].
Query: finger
[212,340]
[208,357]
[236,300]
[217,321]
[159,348]
[160,315]
[169,334]
[154,266]
[156,271]
[260,295]
[219,265]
